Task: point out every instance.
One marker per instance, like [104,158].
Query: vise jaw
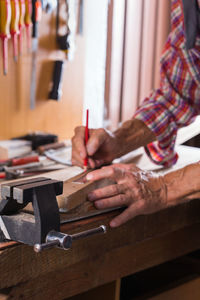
[22,226]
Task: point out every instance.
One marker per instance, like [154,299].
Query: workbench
[143,242]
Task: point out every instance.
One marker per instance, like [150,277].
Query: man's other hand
[140,192]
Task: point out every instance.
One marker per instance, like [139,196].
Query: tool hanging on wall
[21,22]
[62,40]
[28,22]
[65,43]
[56,90]
[14,26]
[36,18]
[5,19]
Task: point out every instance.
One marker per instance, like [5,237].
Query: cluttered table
[101,258]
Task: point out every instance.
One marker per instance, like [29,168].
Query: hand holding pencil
[92,148]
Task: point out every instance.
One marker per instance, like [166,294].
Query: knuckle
[112,171]
[78,129]
[114,189]
[101,131]
[122,198]
[141,204]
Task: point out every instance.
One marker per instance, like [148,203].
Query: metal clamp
[64,241]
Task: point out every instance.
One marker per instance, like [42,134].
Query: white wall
[95,32]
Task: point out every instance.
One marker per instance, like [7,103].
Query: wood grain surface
[141,243]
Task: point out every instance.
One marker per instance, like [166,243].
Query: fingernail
[89,177]
[98,204]
[113,224]
[91,196]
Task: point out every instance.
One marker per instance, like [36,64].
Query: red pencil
[86,136]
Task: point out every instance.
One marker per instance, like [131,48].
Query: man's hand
[102,147]
[141,192]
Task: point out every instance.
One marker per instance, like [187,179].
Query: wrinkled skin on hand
[141,192]
[101,147]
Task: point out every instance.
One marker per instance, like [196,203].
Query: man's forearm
[132,135]
[183,184]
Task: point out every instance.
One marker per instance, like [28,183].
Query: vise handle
[64,241]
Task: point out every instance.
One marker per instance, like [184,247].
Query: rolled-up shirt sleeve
[177,101]
[164,116]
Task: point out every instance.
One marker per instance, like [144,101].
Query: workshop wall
[61,117]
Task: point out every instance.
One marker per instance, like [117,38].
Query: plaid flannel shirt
[177,102]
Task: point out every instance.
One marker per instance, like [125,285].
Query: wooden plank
[75,193]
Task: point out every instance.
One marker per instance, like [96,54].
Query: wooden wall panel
[146,30]
[16,118]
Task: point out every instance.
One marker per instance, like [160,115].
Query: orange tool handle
[24,160]
[28,13]
[14,25]
[5,18]
[21,13]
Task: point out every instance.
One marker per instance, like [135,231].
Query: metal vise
[41,228]
[25,227]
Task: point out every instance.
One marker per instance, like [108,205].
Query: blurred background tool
[28,22]
[59,152]
[14,26]
[56,90]
[21,23]
[36,18]
[5,19]
[63,44]
[38,139]
[19,161]
[51,146]
[62,39]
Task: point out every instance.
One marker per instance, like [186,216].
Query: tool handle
[64,241]
[21,13]
[28,13]
[24,160]
[27,21]
[56,91]
[2,175]
[53,146]
[36,16]
[14,25]
[5,18]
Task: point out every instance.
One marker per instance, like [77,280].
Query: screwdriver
[5,19]
[14,26]
[28,22]
[21,22]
